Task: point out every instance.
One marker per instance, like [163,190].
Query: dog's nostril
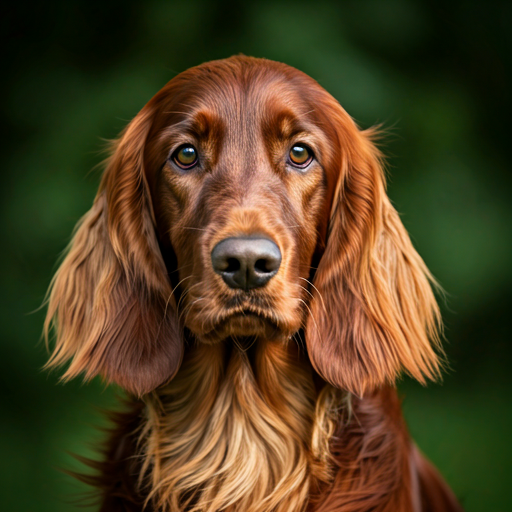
[261,265]
[232,265]
[246,262]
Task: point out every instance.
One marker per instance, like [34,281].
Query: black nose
[246,262]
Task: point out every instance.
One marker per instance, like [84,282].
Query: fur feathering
[225,435]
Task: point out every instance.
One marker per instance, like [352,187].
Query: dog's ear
[111,302]
[373,313]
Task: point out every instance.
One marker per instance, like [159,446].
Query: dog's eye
[185,156]
[300,156]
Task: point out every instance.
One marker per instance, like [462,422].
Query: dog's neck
[234,432]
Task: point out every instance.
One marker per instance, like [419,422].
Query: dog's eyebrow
[201,125]
[283,125]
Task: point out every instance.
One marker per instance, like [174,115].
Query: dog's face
[239,193]
[244,189]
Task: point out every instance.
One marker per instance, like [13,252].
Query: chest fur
[234,432]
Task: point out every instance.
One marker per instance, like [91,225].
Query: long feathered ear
[373,313]
[111,302]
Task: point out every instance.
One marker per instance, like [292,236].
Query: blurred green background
[436,73]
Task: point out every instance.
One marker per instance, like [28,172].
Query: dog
[244,277]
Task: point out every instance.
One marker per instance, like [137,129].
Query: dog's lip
[246,312]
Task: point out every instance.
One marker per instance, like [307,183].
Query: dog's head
[243,201]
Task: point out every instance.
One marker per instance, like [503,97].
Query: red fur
[137,294]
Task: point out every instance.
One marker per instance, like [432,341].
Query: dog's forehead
[242,104]
[238,90]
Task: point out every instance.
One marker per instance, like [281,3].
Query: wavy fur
[224,437]
[228,410]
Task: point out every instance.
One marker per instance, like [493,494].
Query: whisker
[208,317]
[237,343]
[167,306]
[298,341]
[184,279]
[252,343]
[185,292]
[312,317]
[306,290]
[182,267]
[317,291]
[195,229]
[305,113]
[183,295]
[176,112]
[188,307]
[195,285]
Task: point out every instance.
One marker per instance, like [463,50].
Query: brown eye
[300,156]
[185,156]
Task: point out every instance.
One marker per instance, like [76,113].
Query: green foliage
[435,74]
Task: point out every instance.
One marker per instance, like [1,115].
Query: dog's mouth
[245,323]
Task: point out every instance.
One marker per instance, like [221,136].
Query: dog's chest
[219,439]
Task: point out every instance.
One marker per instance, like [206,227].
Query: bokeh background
[436,73]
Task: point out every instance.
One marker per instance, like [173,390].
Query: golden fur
[225,435]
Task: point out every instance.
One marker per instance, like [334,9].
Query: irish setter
[244,277]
